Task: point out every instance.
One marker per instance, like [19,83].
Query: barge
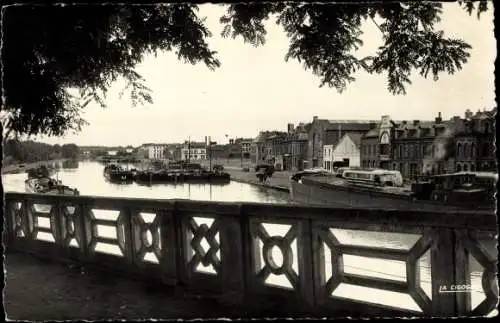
[382,189]
[117,174]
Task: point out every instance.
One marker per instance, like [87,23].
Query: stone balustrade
[234,249]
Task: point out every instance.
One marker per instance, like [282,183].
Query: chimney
[438,118]
[468,114]
[315,118]
[290,127]
[404,122]
[416,122]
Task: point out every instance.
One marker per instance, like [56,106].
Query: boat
[180,173]
[385,189]
[41,171]
[47,185]
[118,174]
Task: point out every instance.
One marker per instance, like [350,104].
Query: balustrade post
[169,247]
[8,226]
[462,272]
[443,263]
[82,218]
[307,263]
[180,242]
[232,269]
[56,221]
[128,237]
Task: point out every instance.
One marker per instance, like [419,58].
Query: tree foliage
[48,50]
[30,151]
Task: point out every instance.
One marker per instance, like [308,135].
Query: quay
[170,244]
[280,180]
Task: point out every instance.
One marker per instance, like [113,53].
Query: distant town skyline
[256,90]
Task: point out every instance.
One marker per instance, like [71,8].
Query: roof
[355,137]
[372,133]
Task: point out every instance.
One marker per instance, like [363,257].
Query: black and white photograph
[249,160]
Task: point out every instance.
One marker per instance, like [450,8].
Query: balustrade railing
[330,261]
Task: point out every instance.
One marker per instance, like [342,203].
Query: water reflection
[89,180]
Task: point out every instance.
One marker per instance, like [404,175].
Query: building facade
[475,141]
[347,151]
[194,151]
[418,148]
[328,132]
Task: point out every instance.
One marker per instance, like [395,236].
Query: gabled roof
[355,137]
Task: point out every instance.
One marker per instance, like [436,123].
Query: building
[432,147]
[194,151]
[347,151]
[323,132]
[474,141]
[158,151]
[413,148]
[245,146]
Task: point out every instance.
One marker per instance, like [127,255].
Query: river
[88,178]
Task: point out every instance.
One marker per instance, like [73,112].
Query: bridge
[227,251]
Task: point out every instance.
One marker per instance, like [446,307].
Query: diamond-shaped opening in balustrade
[475,274]
[375,238]
[108,248]
[103,214]
[43,222]
[42,208]
[425,269]
[204,245]
[45,236]
[374,267]
[376,296]
[147,217]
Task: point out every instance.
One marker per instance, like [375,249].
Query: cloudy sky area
[255,89]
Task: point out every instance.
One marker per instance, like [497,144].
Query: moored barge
[382,189]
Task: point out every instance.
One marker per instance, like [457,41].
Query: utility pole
[209,153]
[189,150]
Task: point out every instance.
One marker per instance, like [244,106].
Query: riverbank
[279,181]
[14,169]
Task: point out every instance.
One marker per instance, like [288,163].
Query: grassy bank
[14,169]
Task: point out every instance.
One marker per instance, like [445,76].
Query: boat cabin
[375,177]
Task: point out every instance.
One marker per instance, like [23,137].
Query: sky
[256,90]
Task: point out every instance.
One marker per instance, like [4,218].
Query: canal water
[88,178]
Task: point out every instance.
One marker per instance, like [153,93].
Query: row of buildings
[415,147]
[196,151]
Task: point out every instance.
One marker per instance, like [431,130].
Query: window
[459,150]
[465,167]
[465,151]
[472,167]
[459,168]
[473,150]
